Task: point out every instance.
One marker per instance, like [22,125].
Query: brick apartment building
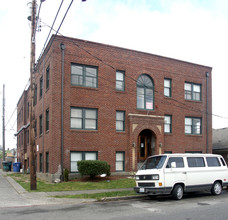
[101,102]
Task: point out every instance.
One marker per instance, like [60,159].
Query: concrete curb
[109,199]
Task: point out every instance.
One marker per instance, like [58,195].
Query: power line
[51,27]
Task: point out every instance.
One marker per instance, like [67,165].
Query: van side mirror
[173,165]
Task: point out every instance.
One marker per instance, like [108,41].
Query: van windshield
[153,163]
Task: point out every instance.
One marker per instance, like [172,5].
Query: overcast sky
[190,30]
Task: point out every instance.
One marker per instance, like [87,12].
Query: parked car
[177,174]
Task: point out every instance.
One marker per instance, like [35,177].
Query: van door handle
[184,172]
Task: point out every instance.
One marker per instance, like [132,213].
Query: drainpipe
[207,122]
[62,47]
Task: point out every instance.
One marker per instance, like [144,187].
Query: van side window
[196,162]
[213,162]
[179,162]
[223,162]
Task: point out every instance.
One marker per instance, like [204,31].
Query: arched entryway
[146,144]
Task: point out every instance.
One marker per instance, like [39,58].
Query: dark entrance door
[146,145]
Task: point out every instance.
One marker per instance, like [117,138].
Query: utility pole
[32,146]
[3,123]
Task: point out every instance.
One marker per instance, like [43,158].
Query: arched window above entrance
[145,92]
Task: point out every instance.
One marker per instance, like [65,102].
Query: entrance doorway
[146,145]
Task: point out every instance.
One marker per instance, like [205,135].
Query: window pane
[90,71]
[188,129]
[90,156]
[76,70]
[167,128]
[90,124]
[140,98]
[167,83]
[76,123]
[91,82]
[76,80]
[196,96]
[196,162]
[167,119]
[76,113]
[119,126]
[119,76]
[119,157]
[120,116]
[119,166]
[145,81]
[166,91]
[74,158]
[149,99]
[92,114]
[196,126]
[196,88]
[188,87]
[120,85]
[213,162]
[188,121]
[179,162]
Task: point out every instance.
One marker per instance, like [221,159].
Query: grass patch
[42,186]
[99,196]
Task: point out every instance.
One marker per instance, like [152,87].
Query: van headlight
[136,177]
[155,177]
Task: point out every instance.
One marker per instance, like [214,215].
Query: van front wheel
[216,188]
[178,192]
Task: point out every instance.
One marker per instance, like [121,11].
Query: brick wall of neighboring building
[141,125]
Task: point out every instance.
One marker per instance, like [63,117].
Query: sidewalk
[13,194]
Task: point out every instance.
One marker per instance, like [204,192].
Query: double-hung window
[41,86]
[81,155]
[83,118]
[193,125]
[120,161]
[82,75]
[47,77]
[41,124]
[192,91]
[41,162]
[120,80]
[167,87]
[35,95]
[120,121]
[47,120]
[168,124]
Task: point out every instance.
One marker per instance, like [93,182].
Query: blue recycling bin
[16,167]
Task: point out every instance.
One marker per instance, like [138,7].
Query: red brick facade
[143,128]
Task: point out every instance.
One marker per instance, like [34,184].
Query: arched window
[145,92]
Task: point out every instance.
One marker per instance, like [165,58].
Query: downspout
[62,46]
[207,122]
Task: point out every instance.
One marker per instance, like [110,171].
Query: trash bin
[16,167]
[6,166]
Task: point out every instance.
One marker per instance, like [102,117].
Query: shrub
[93,168]
[66,175]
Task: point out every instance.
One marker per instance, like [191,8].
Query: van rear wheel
[216,188]
[178,192]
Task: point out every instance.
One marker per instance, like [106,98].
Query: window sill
[83,87]
[120,132]
[83,131]
[193,135]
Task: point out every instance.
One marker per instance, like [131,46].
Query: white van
[177,174]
